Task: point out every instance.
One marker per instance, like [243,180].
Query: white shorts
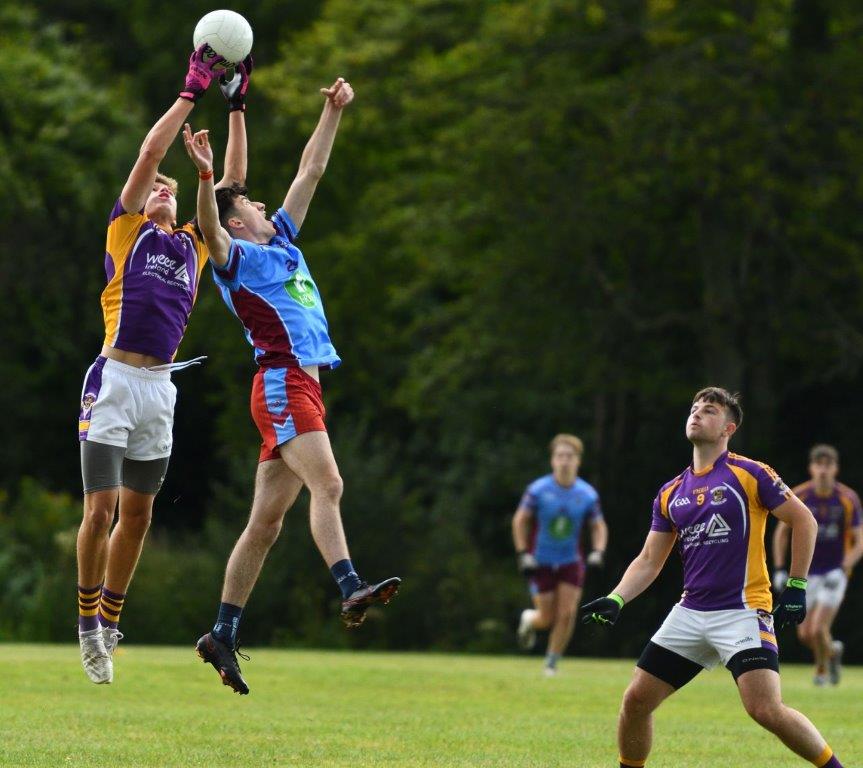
[129,407]
[827,589]
[710,637]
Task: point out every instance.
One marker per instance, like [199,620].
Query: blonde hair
[564,439]
[168,182]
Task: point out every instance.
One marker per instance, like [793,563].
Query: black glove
[791,608]
[527,564]
[605,610]
[234,90]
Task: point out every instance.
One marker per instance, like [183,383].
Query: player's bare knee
[543,619]
[98,519]
[804,634]
[264,532]
[768,714]
[637,702]
[329,487]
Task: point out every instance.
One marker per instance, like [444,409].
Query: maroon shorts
[286,402]
[547,577]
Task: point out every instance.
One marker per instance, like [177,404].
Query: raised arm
[236,153]
[159,139]
[313,163]
[217,239]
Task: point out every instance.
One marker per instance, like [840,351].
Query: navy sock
[346,577]
[228,623]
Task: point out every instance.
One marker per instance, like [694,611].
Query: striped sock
[88,608]
[626,763]
[109,608]
[827,759]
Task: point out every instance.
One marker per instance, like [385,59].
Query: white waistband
[156,373]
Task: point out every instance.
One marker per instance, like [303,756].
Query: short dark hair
[823,451]
[720,396]
[225,197]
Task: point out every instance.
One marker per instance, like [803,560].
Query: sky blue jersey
[558,515]
[270,289]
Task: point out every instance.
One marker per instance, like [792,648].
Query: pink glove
[201,65]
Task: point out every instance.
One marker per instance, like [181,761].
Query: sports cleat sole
[356,615]
[234,686]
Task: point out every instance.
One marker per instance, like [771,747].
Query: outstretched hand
[198,148]
[339,94]
[234,90]
[204,64]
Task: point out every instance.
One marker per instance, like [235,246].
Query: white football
[227,33]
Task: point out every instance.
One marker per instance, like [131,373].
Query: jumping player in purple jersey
[838,549]
[127,403]
[716,512]
[546,530]
[266,283]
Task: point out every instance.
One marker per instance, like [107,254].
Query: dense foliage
[540,216]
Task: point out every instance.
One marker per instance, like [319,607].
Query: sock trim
[825,757]
[632,763]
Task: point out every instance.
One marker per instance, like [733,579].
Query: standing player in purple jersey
[716,512]
[838,549]
[127,402]
[266,283]
[546,530]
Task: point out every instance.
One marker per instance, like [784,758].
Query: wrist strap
[205,175]
[797,583]
[617,599]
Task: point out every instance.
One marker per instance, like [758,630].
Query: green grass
[167,709]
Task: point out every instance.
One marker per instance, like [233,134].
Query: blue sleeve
[595,511]
[231,274]
[285,226]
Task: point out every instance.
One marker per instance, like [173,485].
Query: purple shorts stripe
[89,395]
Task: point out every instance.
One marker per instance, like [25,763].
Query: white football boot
[95,657]
[526,633]
[111,637]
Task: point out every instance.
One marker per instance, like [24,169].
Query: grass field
[168,709]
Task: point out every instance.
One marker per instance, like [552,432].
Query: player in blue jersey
[546,529]
[266,283]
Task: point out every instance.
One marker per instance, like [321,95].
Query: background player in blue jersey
[546,530]
[266,283]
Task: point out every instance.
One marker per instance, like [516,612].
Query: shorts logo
[717,496]
[301,289]
[717,527]
[746,639]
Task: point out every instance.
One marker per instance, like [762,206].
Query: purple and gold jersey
[719,516]
[152,285]
[558,515]
[837,515]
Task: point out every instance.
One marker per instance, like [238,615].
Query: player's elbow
[151,153]
[314,171]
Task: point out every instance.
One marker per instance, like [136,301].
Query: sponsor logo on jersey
[680,501]
[301,289]
[717,526]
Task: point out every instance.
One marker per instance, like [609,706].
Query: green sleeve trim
[798,583]
[617,599]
